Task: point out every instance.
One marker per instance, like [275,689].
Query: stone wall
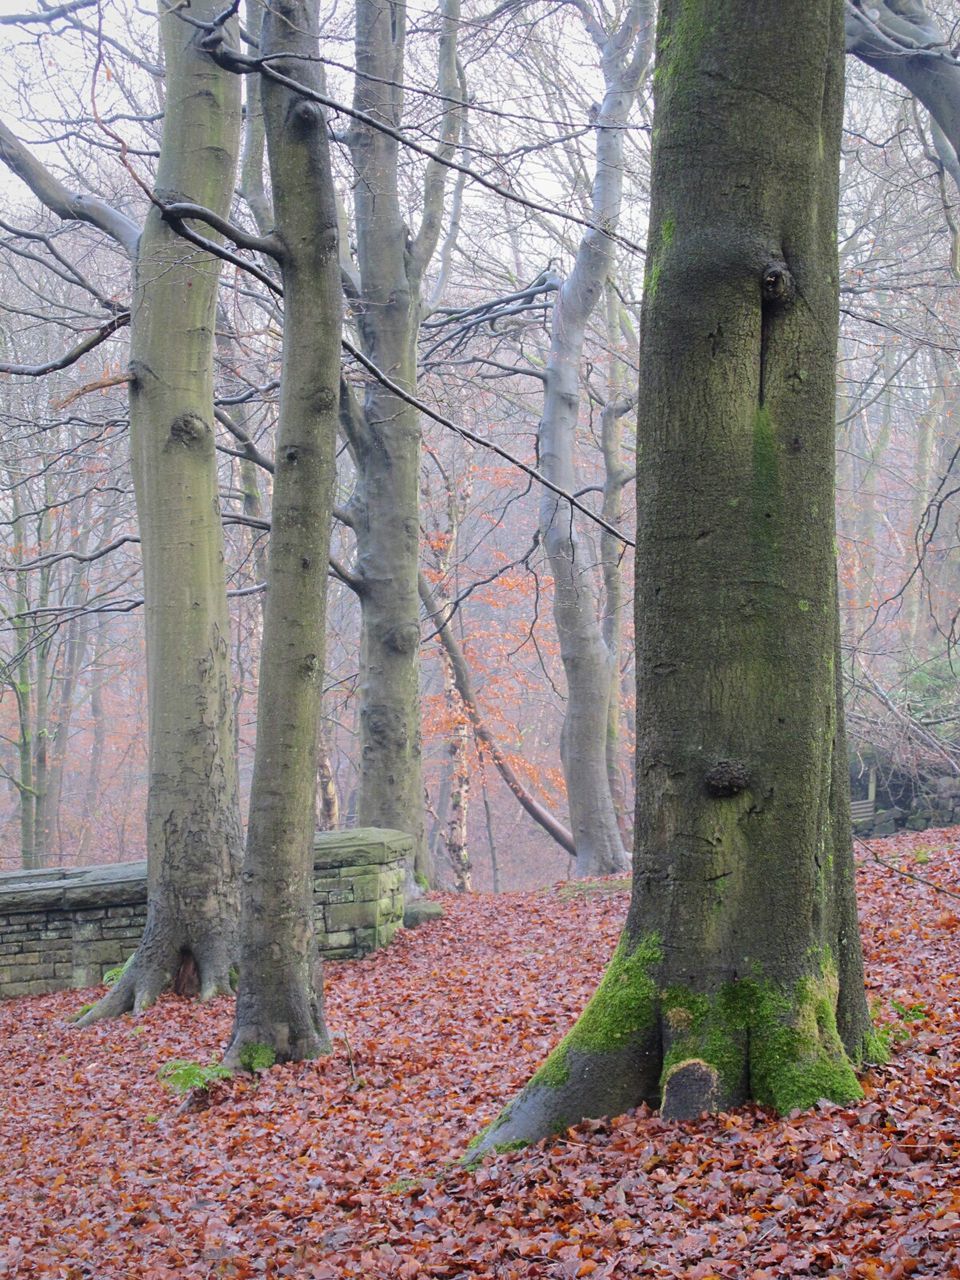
[66,927]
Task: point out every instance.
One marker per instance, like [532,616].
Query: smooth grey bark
[589,662]
[280,993]
[738,975]
[193,819]
[193,823]
[385,431]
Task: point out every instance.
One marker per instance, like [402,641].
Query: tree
[193,821]
[589,660]
[279,998]
[738,974]
[384,293]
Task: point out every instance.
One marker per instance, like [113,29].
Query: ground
[348,1166]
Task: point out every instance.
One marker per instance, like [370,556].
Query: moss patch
[623,1005]
[257,1057]
[591,888]
[784,1042]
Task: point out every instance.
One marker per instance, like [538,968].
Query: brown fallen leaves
[346,1166]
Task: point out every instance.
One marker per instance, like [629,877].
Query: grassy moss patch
[623,1005]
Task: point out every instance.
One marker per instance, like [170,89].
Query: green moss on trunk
[623,1005]
[782,1041]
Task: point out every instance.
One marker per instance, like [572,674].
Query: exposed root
[148,975]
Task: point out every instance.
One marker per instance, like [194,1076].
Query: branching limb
[72,356]
[68,205]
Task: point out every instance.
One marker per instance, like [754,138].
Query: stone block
[339,953]
[386,932]
[336,940]
[351,915]
[361,845]
[366,941]
[366,888]
[419,912]
[28,987]
[87,930]
[104,953]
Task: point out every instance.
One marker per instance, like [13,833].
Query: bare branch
[72,356]
[51,192]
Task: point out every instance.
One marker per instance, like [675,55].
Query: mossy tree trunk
[738,975]
[279,1013]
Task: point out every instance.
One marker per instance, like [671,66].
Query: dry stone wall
[63,928]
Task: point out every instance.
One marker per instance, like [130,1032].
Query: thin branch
[72,356]
[231,60]
[44,14]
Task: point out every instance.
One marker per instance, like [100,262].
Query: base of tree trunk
[639,1041]
[164,963]
[281,1022]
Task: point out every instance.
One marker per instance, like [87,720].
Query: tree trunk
[385,506]
[193,821]
[738,975]
[280,995]
[588,663]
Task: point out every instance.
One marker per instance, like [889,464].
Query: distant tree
[738,974]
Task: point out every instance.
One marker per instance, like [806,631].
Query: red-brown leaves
[347,1166]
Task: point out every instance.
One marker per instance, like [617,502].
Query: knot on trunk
[777,285]
[189,429]
[727,778]
[402,639]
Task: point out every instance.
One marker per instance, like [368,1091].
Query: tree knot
[777,285]
[727,778]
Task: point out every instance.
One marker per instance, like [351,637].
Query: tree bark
[385,505]
[738,975]
[280,995]
[588,662]
[193,820]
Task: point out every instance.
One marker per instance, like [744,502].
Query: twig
[907,875]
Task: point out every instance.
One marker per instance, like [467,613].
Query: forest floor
[347,1166]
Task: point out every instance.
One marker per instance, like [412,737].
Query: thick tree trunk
[738,975]
[193,821]
[280,996]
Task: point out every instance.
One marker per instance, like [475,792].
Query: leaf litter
[348,1166]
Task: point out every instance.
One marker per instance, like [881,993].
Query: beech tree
[279,998]
[589,660]
[193,819]
[738,974]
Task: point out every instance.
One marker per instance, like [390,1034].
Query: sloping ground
[344,1167]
